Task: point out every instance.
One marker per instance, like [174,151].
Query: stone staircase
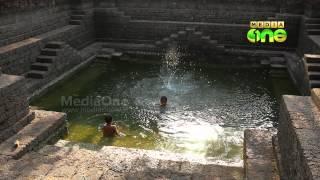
[77,17]
[312,26]
[109,53]
[278,67]
[312,64]
[48,54]
[190,36]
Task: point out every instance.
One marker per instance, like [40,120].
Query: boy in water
[163,101]
[108,129]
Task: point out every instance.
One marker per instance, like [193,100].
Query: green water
[208,108]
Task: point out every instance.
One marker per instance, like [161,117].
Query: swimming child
[108,129]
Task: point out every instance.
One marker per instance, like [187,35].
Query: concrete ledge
[44,124]
[299,133]
[259,160]
[67,160]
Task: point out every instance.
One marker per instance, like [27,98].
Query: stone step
[55,45]
[70,160]
[278,73]
[314,84]
[198,33]
[104,56]
[107,50]
[313,31]
[78,12]
[313,66]
[278,60]
[312,21]
[37,74]
[313,26]
[190,29]
[315,94]
[44,125]
[174,36]
[312,58]
[206,38]
[259,160]
[278,66]
[314,75]
[182,33]
[117,54]
[41,66]
[77,17]
[158,43]
[166,40]
[16,127]
[45,59]
[213,42]
[49,52]
[75,22]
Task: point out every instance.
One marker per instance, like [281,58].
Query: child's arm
[116,130]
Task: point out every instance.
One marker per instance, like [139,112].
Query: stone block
[298,136]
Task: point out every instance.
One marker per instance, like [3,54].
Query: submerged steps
[278,67]
[108,53]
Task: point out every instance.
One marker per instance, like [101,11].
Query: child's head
[163,100]
[108,119]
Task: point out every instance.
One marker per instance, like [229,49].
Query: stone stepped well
[68,160]
[312,68]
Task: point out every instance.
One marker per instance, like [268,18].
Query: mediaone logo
[267,32]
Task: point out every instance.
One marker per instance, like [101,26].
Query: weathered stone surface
[315,94]
[67,160]
[44,124]
[299,133]
[259,160]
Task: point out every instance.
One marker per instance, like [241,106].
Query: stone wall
[16,58]
[135,31]
[312,8]
[199,4]
[14,106]
[20,20]
[298,135]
